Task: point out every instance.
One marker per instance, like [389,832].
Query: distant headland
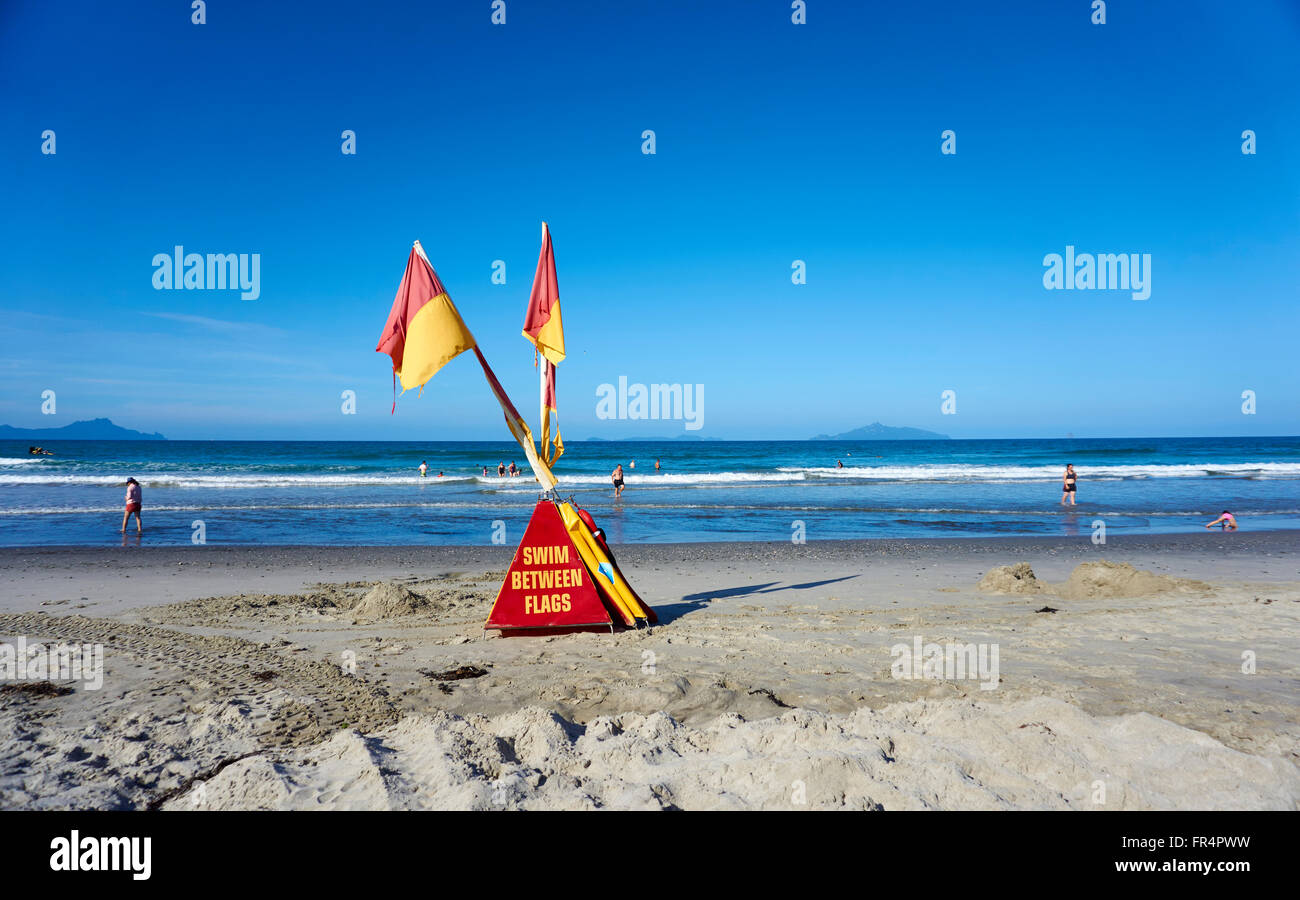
[877,432]
[86,430]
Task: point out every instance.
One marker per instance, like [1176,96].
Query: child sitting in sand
[1228,520]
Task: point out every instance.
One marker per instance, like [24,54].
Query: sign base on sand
[547,586]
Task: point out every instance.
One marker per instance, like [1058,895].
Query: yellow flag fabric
[436,335]
[550,336]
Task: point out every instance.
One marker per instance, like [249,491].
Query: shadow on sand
[691,602]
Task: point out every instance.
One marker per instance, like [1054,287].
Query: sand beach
[1109,677]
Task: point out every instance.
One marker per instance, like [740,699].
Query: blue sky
[775,142]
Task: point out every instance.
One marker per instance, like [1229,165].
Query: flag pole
[541,399]
[541,384]
[541,387]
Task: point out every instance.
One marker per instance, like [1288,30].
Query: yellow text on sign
[545,579]
[546,603]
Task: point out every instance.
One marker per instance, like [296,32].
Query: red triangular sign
[547,586]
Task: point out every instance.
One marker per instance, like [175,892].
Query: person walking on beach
[617,478]
[424,468]
[133,503]
[1068,487]
[1227,520]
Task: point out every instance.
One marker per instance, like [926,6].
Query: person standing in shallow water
[617,478]
[1068,484]
[134,501]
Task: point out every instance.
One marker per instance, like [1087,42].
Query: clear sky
[775,142]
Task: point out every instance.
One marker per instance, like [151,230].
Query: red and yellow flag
[424,332]
[542,323]
[543,327]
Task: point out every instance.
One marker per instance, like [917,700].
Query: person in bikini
[1068,487]
[617,478]
[1227,520]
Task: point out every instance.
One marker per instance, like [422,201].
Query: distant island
[86,430]
[877,432]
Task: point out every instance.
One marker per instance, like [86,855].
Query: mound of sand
[1016,579]
[1089,581]
[387,600]
[1101,580]
[1039,754]
[391,599]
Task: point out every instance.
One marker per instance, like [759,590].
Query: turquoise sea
[332,492]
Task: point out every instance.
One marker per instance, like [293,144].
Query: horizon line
[693,440]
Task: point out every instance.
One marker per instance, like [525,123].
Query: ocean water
[336,493]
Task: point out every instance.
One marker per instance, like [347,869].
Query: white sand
[769,684]
[946,754]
